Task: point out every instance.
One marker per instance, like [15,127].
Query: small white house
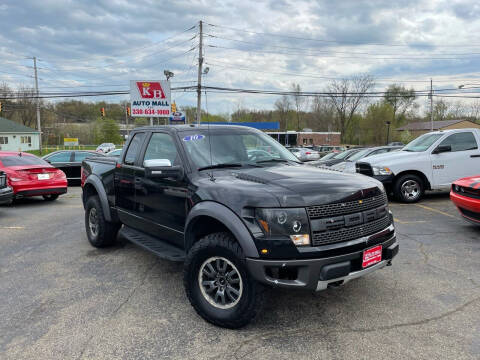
[17,137]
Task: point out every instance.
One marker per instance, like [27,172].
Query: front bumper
[386,180]
[318,274]
[6,195]
[467,203]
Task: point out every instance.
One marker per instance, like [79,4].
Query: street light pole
[199,81]
[39,126]
[388,131]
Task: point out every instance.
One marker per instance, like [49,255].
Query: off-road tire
[51,197]
[106,232]
[221,245]
[406,179]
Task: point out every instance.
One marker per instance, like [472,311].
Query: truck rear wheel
[409,188]
[218,284]
[100,233]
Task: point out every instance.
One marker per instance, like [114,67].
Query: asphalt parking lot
[61,298]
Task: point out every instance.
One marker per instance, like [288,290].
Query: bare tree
[323,113]
[283,106]
[400,99]
[474,110]
[346,96]
[298,101]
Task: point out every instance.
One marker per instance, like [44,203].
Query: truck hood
[387,159]
[293,185]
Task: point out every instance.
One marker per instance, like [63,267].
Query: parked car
[191,194]
[115,153]
[396,143]
[465,194]
[325,149]
[305,154]
[349,165]
[105,148]
[430,162]
[335,159]
[29,175]
[69,161]
[6,192]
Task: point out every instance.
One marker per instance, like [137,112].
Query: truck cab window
[161,146]
[461,141]
[134,148]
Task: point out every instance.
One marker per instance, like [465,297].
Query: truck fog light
[300,240]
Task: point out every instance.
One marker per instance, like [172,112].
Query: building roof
[426,125]
[9,126]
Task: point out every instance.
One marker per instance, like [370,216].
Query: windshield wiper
[220,166]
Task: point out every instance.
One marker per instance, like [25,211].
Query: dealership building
[17,137]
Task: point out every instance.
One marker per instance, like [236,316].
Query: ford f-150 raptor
[237,217]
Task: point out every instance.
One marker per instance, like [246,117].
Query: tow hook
[389,263]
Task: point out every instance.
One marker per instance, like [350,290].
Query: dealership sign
[178,117]
[150,98]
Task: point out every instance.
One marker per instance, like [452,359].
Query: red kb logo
[150,90]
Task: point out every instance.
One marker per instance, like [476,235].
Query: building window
[26,140]
[310,141]
[304,141]
[3,140]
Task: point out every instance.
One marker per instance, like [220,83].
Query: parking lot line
[436,211]
[12,227]
[403,222]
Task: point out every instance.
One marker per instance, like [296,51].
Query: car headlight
[289,223]
[381,170]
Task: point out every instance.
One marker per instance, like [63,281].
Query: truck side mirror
[441,149]
[162,168]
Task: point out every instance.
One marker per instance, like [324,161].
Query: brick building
[420,128]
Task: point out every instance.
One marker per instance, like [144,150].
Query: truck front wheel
[100,233]
[409,188]
[218,284]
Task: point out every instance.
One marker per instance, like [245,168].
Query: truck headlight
[280,223]
[381,170]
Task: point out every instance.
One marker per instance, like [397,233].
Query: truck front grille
[350,233]
[364,168]
[320,211]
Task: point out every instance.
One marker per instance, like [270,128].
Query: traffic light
[129,111]
[102,112]
[174,107]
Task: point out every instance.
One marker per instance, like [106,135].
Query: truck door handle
[474,156]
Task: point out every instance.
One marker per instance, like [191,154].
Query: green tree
[373,127]
[107,130]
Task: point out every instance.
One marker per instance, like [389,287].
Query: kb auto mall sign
[150,98]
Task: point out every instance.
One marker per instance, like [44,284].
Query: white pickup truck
[430,162]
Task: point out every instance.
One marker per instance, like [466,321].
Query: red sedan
[29,175]
[465,194]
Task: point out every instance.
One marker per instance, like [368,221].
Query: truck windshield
[220,146]
[422,143]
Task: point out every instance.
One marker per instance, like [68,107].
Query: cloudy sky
[101,44]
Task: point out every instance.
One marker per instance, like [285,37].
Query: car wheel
[409,188]
[218,284]
[100,233]
[51,197]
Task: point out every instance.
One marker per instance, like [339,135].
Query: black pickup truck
[240,211]
[6,192]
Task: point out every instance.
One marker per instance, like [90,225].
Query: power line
[332,41]
[332,52]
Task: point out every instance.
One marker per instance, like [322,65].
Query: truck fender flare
[228,218]
[98,185]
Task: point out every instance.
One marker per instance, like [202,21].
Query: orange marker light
[264,251]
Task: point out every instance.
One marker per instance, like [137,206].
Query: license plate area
[43,176]
[372,256]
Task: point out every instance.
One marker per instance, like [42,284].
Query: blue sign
[177,117]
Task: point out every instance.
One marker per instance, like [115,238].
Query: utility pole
[431,104]
[39,126]
[199,81]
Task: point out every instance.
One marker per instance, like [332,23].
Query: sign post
[150,98]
